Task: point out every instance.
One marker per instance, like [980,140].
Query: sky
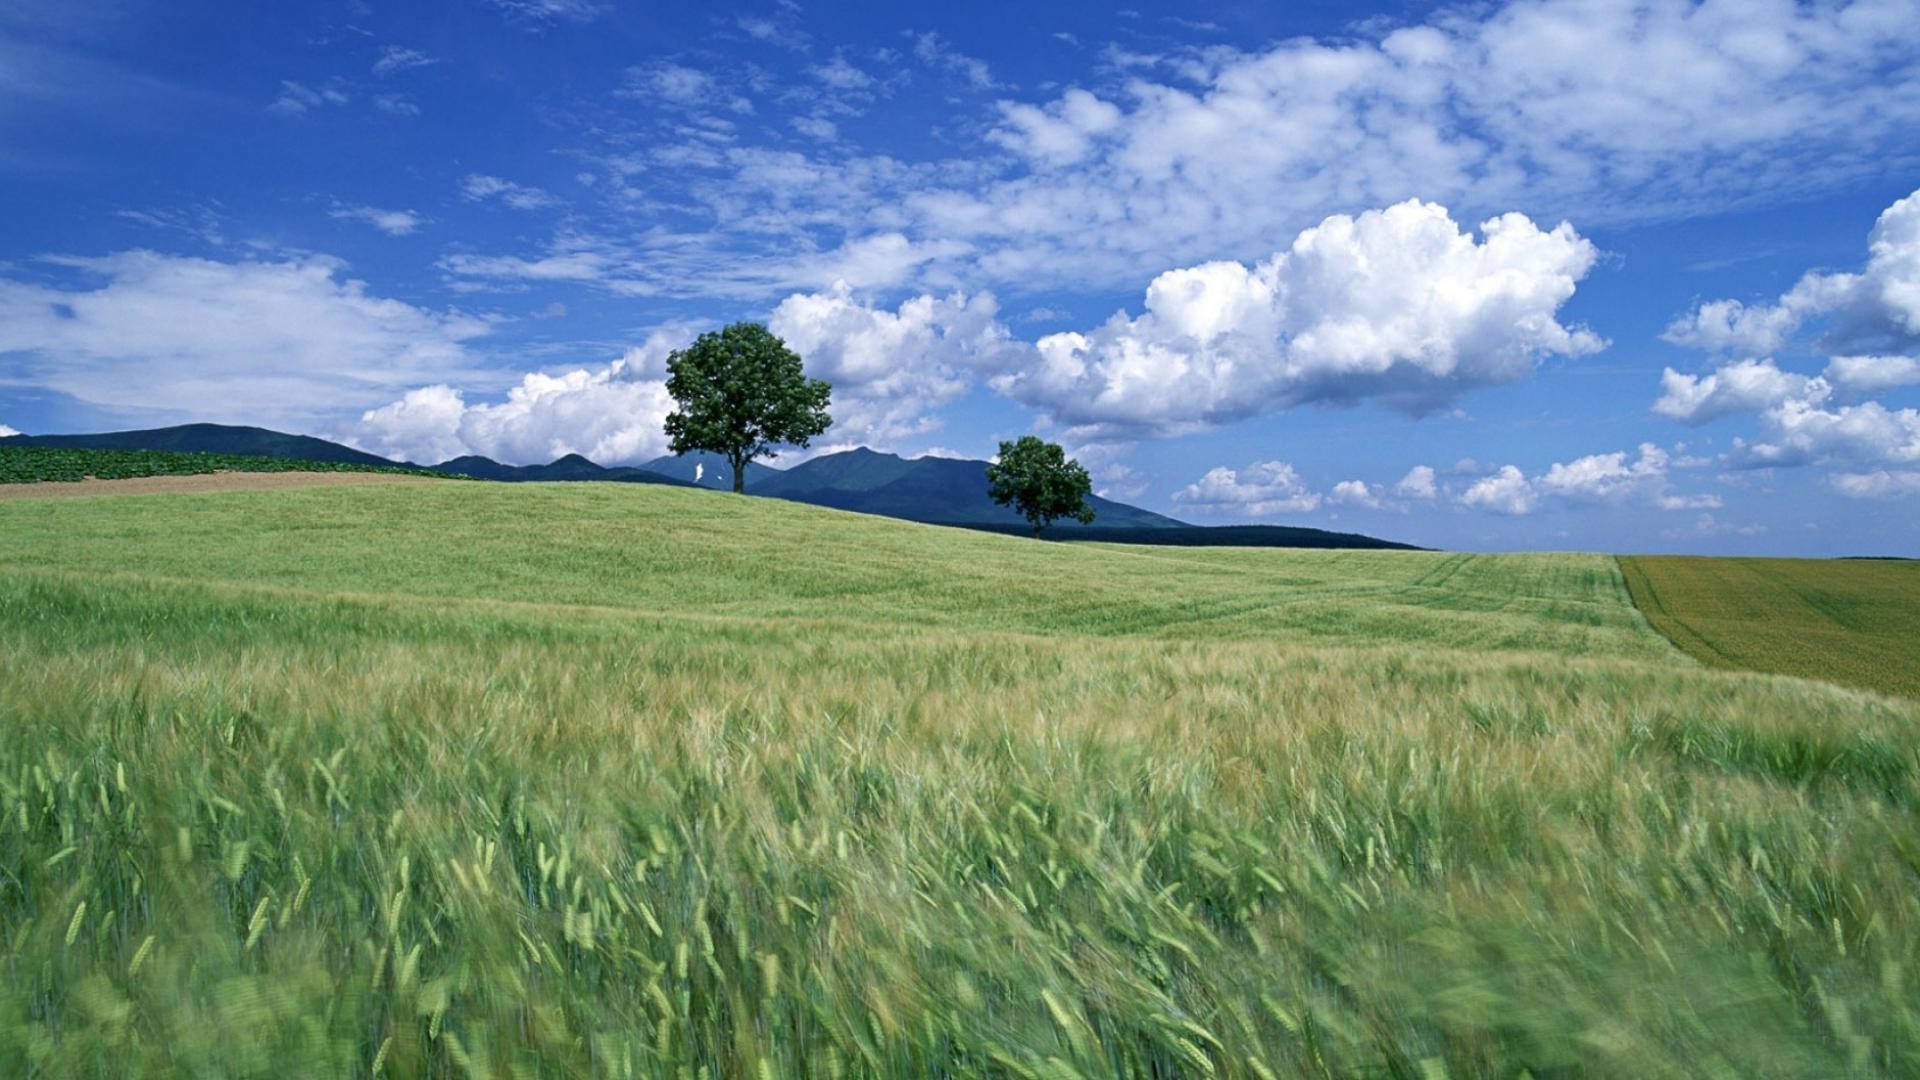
[1567,274]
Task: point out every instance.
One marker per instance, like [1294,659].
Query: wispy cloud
[479,188]
[391,222]
[394,58]
[297,98]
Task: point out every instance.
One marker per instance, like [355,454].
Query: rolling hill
[579,780]
[209,439]
[947,491]
[571,467]
[935,490]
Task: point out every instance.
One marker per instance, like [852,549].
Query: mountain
[941,491]
[209,439]
[709,470]
[945,491]
[571,467]
[1266,536]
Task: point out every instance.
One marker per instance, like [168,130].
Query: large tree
[741,392]
[1041,482]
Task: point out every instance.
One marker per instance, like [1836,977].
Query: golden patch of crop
[1850,621]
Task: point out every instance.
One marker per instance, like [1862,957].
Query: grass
[600,780]
[42,464]
[1855,622]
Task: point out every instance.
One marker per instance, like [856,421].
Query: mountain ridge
[931,490]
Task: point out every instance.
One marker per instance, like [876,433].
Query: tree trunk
[739,475]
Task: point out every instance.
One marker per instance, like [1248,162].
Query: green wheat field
[596,780]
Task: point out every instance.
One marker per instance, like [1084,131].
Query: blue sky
[1581,274]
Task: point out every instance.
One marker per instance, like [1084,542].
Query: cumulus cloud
[6,432]
[1594,478]
[1557,103]
[1397,306]
[1744,386]
[1417,484]
[1803,432]
[1869,374]
[891,368]
[614,415]
[1876,309]
[391,222]
[1259,490]
[1505,492]
[1354,493]
[248,342]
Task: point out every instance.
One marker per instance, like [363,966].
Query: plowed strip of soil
[220,481]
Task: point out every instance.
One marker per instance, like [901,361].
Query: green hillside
[209,439]
[628,780]
[28,464]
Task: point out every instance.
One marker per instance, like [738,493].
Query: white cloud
[1354,493]
[478,187]
[1397,306]
[932,50]
[391,222]
[296,98]
[1731,327]
[1873,310]
[838,74]
[1061,134]
[891,368]
[1261,489]
[1600,110]
[247,341]
[1744,386]
[1880,484]
[1417,484]
[397,58]
[1594,478]
[613,415]
[1802,432]
[7,432]
[1873,373]
[672,82]
[1505,492]
[395,105]
[547,11]
[816,127]
[1606,476]
[560,266]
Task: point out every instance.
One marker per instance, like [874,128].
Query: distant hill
[938,491]
[709,471]
[210,439]
[571,467]
[944,491]
[1287,536]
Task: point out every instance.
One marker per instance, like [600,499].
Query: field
[1853,621]
[607,780]
[43,464]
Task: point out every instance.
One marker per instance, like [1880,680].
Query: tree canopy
[741,392]
[1040,482]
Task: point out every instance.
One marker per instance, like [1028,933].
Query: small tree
[741,392]
[1041,482]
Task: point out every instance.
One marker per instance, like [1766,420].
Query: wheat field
[590,780]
